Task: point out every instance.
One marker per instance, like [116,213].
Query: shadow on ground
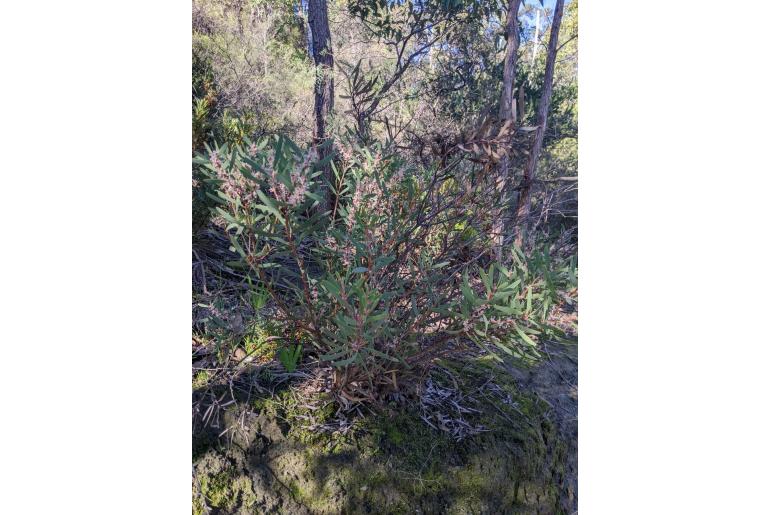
[260,460]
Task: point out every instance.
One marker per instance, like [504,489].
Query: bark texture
[509,64]
[507,112]
[318,19]
[521,214]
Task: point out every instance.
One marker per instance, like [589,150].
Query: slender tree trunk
[509,65]
[507,112]
[318,19]
[303,17]
[521,214]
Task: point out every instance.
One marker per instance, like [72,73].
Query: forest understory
[482,439]
[474,437]
[384,257]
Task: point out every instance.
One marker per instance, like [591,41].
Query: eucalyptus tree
[521,214]
[507,113]
[323,56]
[413,31]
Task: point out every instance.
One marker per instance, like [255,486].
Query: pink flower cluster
[364,189]
[233,185]
[358,344]
[347,255]
[347,250]
[215,162]
[299,186]
[347,153]
[277,188]
[299,182]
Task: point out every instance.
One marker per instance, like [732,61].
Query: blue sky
[548,3]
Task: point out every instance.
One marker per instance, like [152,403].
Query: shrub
[201,204]
[395,275]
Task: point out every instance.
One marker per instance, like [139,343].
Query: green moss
[394,435]
[197,505]
[257,343]
[243,486]
[222,486]
[225,491]
[276,405]
[296,491]
[268,405]
[311,412]
[471,482]
[217,488]
[201,379]
[394,460]
[403,434]
[397,461]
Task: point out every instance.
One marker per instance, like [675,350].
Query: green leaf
[333,355]
[500,345]
[289,357]
[529,299]
[382,355]
[227,216]
[382,262]
[237,247]
[468,293]
[313,196]
[270,206]
[486,280]
[331,287]
[379,317]
[346,362]
[507,310]
[525,337]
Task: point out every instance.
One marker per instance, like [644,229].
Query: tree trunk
[521,214]
[507,110]
[509,65]
[318,19]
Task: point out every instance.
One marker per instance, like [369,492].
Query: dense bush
[397,274]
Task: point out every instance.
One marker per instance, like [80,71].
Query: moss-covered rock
[222,486]
[389,462]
